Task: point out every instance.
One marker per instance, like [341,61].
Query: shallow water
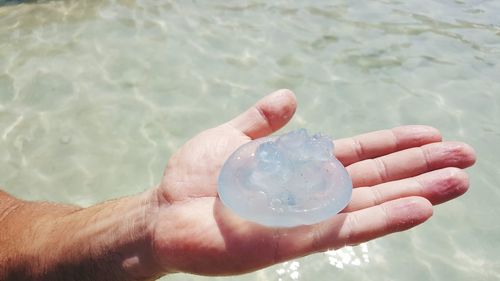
[95,96]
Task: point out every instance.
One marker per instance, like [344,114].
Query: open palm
[398,175]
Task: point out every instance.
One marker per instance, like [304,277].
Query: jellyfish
[285,181]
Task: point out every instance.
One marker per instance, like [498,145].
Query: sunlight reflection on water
[349,256]
[96,95]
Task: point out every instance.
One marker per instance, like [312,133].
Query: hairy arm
[45,241]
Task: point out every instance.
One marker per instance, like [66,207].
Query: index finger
[378,143]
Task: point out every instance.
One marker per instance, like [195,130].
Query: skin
[181,226]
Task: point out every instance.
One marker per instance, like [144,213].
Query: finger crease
[352,222]
[381,169]
[385,215]
[427,160]
[395,140]
[377,196]
[316,245]
[419,186]
[358,148]
[264,117]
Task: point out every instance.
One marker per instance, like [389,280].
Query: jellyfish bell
[285,181]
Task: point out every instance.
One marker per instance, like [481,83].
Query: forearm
[109,241]
[18,221]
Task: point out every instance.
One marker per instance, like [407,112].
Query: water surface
[96,95]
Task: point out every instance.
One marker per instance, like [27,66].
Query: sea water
[95,96]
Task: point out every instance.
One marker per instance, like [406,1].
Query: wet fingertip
[280,98]
[419,207]
[278,108]
[409,212]
[285,92]
[461,153]
[471,154]
[434,133]
[463,181]
[456,182]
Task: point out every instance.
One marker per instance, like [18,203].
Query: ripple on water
[95,95]
[41,90]
[7,91]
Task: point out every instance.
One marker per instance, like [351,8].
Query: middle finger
[411,162]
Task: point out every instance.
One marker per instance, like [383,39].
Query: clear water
[95,96]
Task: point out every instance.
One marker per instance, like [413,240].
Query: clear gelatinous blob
[285,181]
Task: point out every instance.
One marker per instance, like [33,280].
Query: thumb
[267,116]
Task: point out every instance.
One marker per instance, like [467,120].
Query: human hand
[397,174]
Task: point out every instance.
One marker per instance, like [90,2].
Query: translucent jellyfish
[285,181]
